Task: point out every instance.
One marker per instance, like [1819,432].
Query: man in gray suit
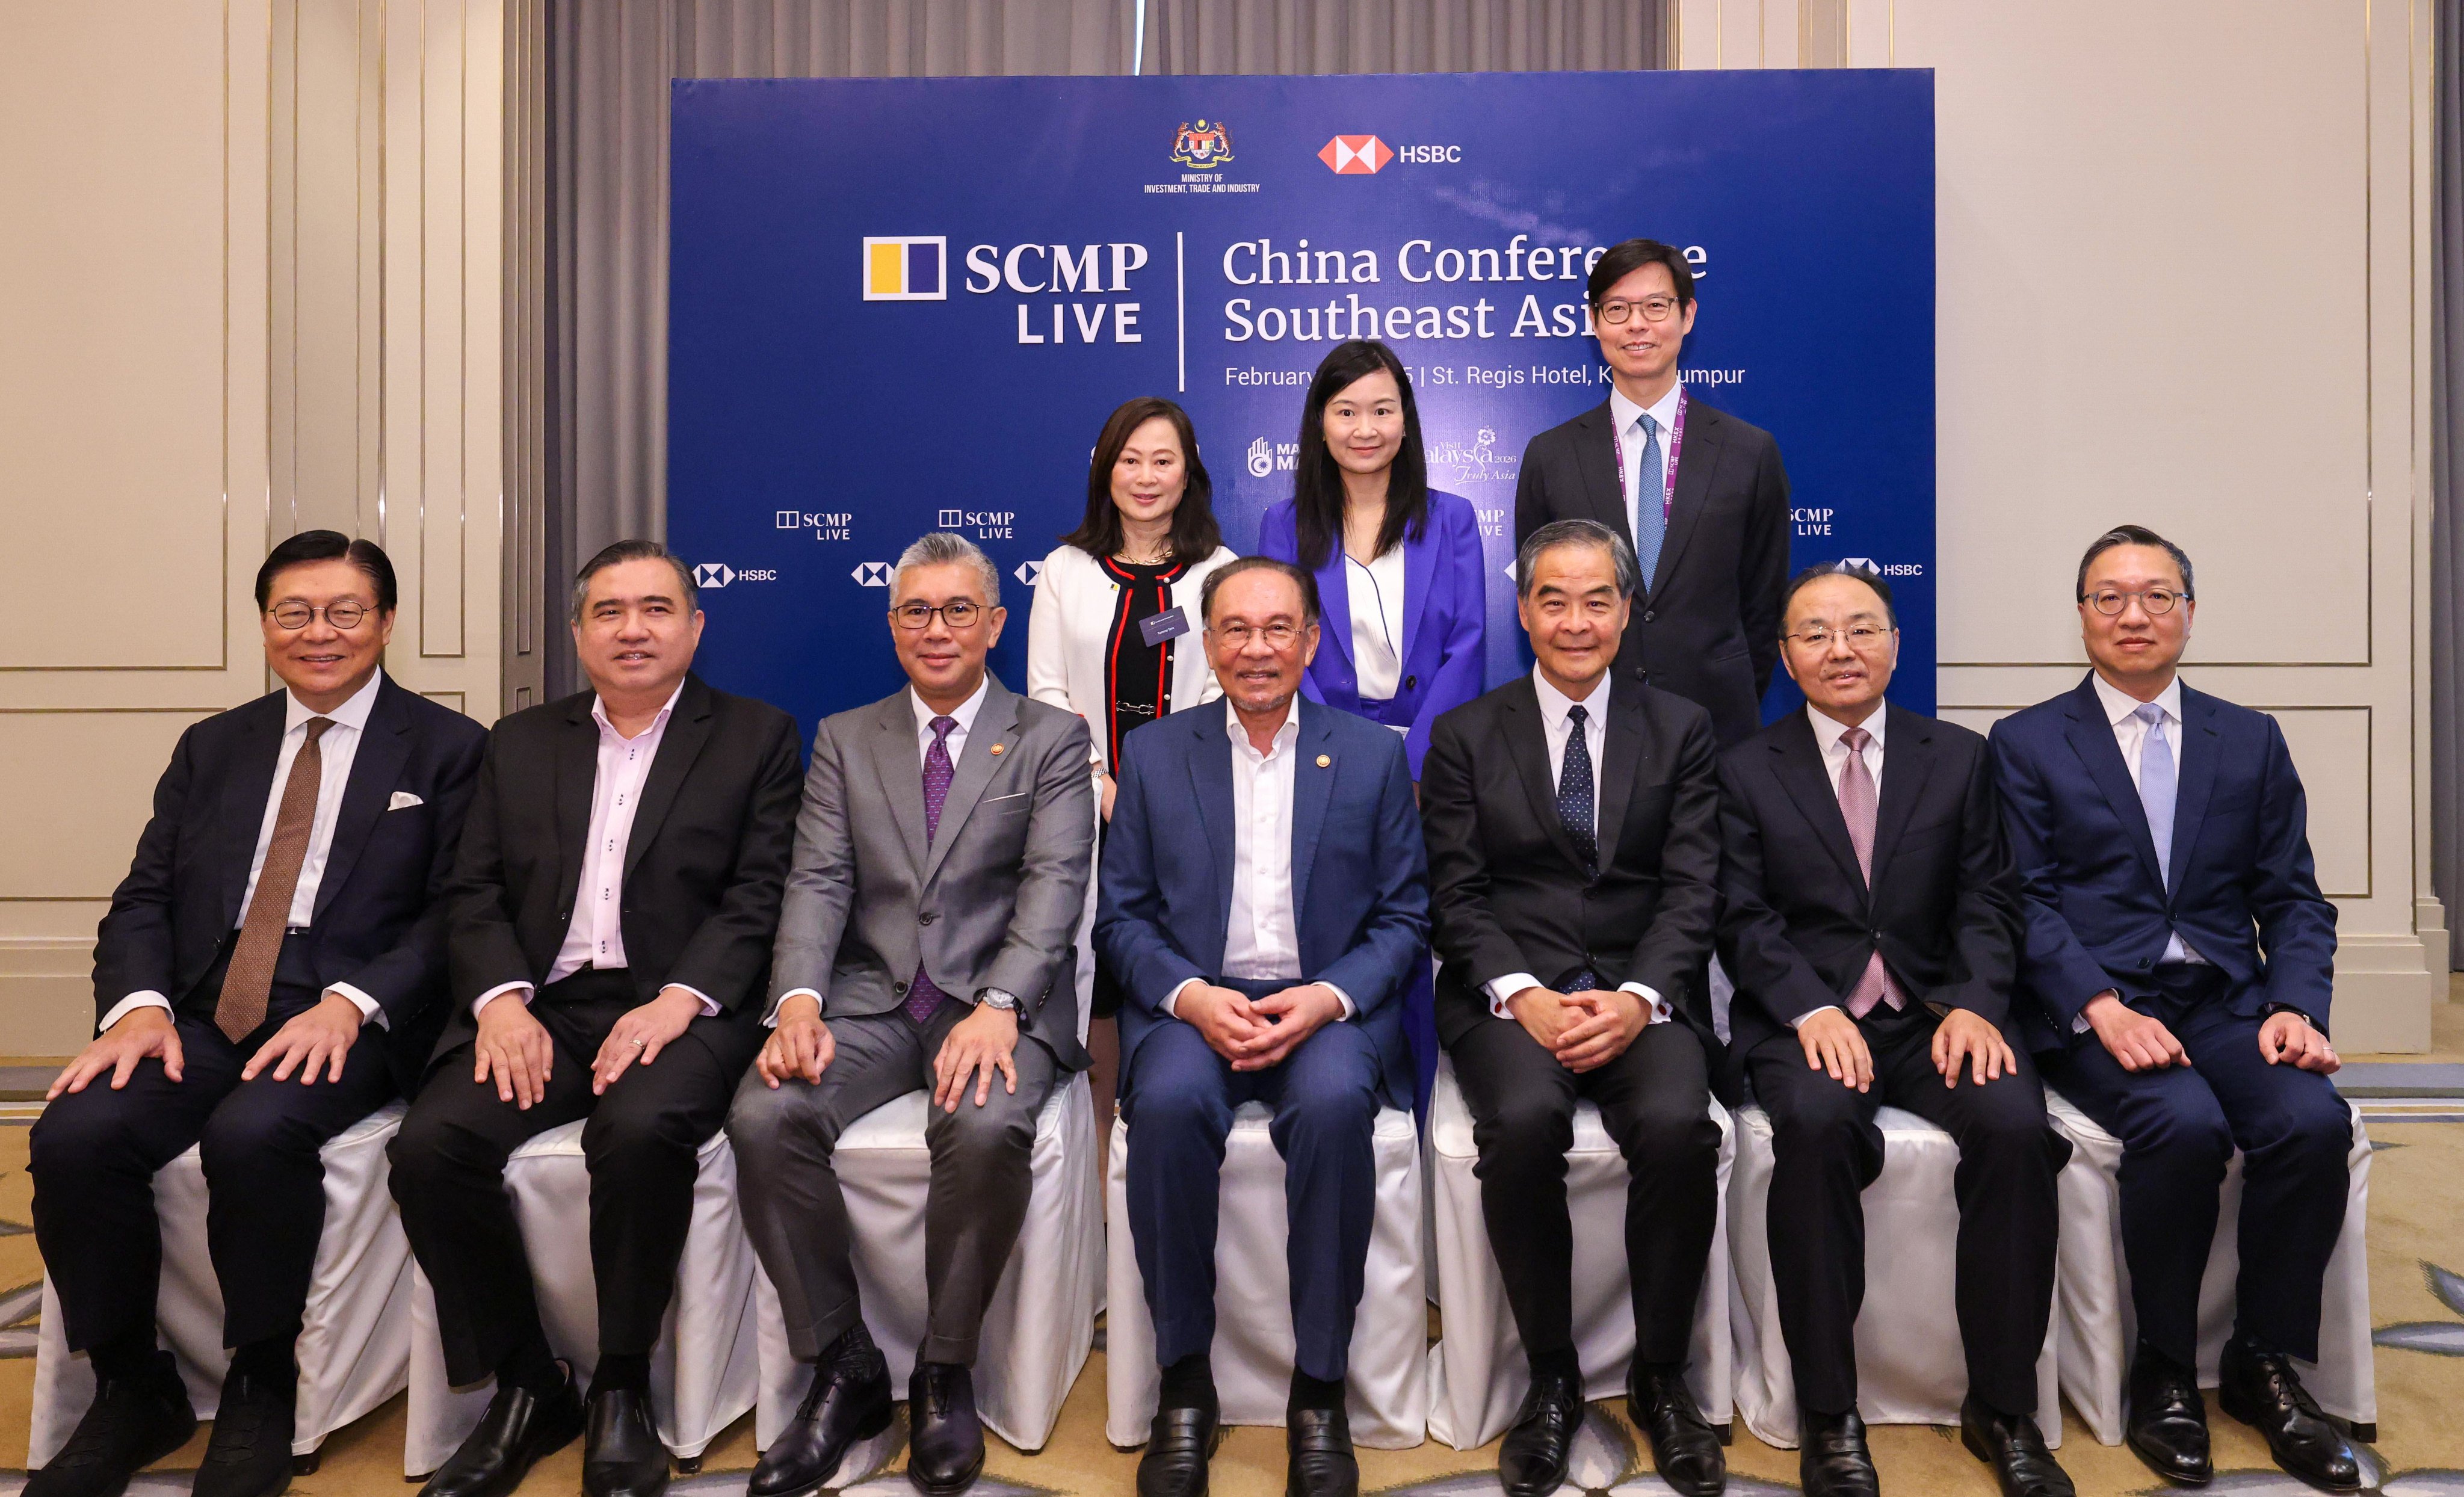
[930,925]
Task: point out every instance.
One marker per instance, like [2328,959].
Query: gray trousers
[798,1220]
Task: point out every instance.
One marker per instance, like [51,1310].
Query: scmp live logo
[984,524]
[826,525]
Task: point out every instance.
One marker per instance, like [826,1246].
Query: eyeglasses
[2113,600]
[1859,636]
[1278,634]
[957,614]
[344,615]
[1651,309]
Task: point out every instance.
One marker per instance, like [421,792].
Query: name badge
[1157,627]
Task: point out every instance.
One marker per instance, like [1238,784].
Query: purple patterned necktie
[922,997]
[1858,806]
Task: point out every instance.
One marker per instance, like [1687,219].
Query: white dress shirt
[1261,939]
[1558,726]
[1828,732]
[964,715]
[2131,736]
[595,937]
[1374,589]
[1637,485]
[334,751]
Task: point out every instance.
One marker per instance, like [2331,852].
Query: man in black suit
[282,899]
[1699,496]
[1573,911]
[611,915]
[1873,936]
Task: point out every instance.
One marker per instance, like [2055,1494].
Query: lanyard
[1676,446]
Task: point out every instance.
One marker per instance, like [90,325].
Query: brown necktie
[1858,804]
[249,981]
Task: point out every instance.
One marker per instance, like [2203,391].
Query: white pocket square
[402,798]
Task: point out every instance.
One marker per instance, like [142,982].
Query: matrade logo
[910,268]
[1355,155]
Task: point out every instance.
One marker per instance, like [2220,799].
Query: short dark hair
[1822,570]
[1195,534]
[1578,533]
[1306,583]
[623,551]
[2132,535]
[329,545]
[1624,260]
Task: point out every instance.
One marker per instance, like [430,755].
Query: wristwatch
[994,998]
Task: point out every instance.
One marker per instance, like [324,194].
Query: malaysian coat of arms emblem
[1203,145]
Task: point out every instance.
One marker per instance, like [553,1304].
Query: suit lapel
[688,730]
[376,767]
[577,773]
[1210,780]
[898,764]
[1907,757]
[1312,786]
[2198,749]
[1695,461]
[1797,760]
[993,735]
[1526,743]
[246,795]
[1621,764]
[2091,738]
[1595,463]
[1335,606]
[1420,571]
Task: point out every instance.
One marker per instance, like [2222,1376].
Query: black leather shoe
[1831,1460]
[622,1456]
[945,1440]
[2262,1390]
[132,1423]
[1683,1449]
[1531,1460]
[2168,1424]
[518,1429]
[1317,1450]
[249,1452]
[2013,1445]
[848,1402]
[1178,1443]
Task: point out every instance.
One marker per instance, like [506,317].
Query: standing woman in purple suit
[1399,574]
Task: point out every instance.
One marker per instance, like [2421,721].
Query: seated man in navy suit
[1263,899]
[271,971]
[2179,959]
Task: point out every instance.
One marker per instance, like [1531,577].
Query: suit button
[926,918]
[898,988]
[564,914]
[1648,615]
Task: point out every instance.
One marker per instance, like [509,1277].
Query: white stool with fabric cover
[1041,1321]
[1477,1375]
[2098,1328]
[1387,1383]
[1911,1368]
[703,1372]
[354,1345]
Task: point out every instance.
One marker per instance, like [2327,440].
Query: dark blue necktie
[1575,794]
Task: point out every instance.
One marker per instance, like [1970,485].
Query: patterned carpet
[2417,1295]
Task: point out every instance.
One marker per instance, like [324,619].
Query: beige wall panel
[444,466]
[112,311]
[89,820]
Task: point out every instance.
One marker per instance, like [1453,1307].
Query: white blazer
[1070,625]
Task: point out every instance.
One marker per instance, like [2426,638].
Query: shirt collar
[1662,411]
[2119,704]
[965,712]
[352,715]
[599,713]
[1554,703]
[1829,730]
[1286,736]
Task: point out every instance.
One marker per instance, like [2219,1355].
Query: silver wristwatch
[994,998]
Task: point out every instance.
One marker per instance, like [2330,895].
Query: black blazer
[705,865]
[1507,891]
[1797,924]
[378,923]
[1707,625]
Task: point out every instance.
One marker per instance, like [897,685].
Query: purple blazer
[1445,615]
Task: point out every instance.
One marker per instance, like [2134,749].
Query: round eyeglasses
[2111,601]
[957,614]
[1651,309]
[344,615]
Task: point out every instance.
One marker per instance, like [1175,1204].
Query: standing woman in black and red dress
[1112,635]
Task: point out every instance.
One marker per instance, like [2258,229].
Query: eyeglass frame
[1871,635]
[2144,595]
[1637,309]
[933,610]
[1291,637]
[326,610]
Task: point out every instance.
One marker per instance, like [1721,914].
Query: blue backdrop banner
[902,306]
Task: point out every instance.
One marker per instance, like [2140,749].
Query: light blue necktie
[1650,502]
[2156,786]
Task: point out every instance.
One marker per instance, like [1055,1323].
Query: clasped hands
[1584,1031]
[313,1041]
[2140,1042]
[977,1046]
[1256,1033]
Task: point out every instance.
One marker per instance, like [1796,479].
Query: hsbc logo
[1355,155]
[714,574]
[871,574]
[1029,572]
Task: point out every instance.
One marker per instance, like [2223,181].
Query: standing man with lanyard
[1699,494]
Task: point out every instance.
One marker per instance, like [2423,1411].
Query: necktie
[2156,786]
[1858,803]
[1650,502]
[247,980]
[1575,794]
[922,997]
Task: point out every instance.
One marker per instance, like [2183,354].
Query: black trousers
[95,1153]
[1655,1100]
[2179,1128]
[1826,1150]
[641,1140]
